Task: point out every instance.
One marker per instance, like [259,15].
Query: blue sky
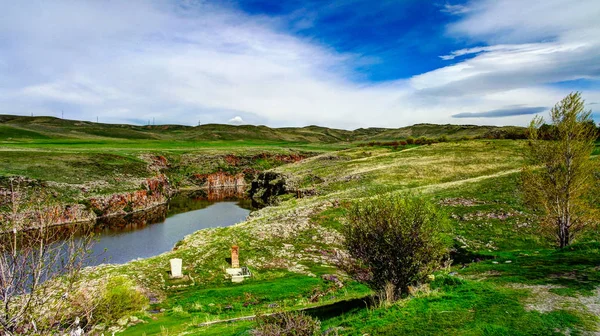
[344,64]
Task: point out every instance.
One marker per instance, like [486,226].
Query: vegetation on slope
[21,127]
[505,276]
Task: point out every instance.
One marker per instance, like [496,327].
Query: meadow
[505,278]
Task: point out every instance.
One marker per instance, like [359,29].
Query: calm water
[147,234]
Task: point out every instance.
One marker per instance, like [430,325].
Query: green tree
[561,174]
[398,239]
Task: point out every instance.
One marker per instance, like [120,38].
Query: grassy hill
[506,278]
[37,128]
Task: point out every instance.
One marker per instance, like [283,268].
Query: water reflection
[149,233]
[144,234]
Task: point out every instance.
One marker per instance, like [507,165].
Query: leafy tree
[561,173]
[398,239]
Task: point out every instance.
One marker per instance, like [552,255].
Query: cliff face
[221,180]
[50,215]
[156,191]
[267,186]
[224,176]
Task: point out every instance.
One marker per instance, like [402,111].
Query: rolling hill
[23,127]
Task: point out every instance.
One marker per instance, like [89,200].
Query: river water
[150,233]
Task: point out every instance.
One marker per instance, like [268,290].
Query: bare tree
[561,173]
[38,264]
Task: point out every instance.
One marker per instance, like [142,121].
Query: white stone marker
[176,268]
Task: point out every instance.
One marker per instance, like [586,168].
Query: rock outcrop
[267,186]
[221,180]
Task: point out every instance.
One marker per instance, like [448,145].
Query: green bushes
[287,323]
[119,298]
[398,239]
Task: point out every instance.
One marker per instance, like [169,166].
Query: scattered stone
[99,327]
[459,201]
[114,329]
[508,262]
[123,321]
[452,273]
[273,305]
[494,262]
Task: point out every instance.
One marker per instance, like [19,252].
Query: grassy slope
[489,299]
[541,291]
[83,159]
[20,127]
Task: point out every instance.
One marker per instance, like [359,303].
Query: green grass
[461,307]
[39,127]
[291,245]
[487,296]
[185,309]
[575,268]
[67,168]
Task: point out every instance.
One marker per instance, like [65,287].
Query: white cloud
[141,60]
[455,9]
[237,120]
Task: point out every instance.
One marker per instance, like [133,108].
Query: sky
[344,64]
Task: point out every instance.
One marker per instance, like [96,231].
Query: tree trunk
[563,235]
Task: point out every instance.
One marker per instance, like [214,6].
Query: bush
[410,141]
[398,239]
[287,323]
[119,298]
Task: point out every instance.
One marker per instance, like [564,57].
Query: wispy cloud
[190,61]
[501,113]
[456,9]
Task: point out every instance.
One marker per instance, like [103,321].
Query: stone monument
[235,256]
[236,272]
[176,268]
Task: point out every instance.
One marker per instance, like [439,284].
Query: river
[150,233]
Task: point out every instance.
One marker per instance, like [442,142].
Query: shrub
[410,141]
[119,298]
[287,323]
[397,238]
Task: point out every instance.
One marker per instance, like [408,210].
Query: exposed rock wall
[267,186]
[156,191]
[221,180]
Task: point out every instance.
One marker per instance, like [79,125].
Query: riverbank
[71,203]
[294,250]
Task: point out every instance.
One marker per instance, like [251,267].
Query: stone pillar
[235,256]
[176,268]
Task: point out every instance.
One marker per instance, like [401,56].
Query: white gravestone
[176,268]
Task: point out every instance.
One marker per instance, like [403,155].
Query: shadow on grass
[462,256]
[576,267]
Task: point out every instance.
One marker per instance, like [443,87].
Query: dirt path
[432,187]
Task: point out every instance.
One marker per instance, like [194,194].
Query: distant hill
[23,127]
